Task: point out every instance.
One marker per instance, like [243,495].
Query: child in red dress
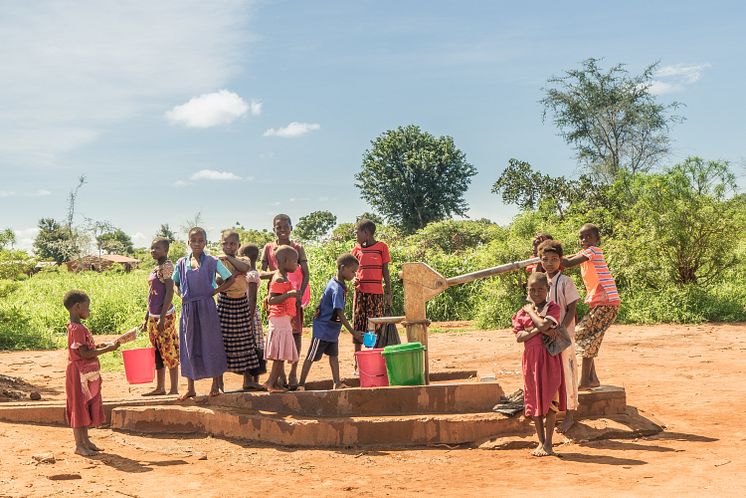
[282,308]
[543,378]
[85,407]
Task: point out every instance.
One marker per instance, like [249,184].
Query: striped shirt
[370,272]
[599,283]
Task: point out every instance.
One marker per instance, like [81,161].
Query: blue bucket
[369,339]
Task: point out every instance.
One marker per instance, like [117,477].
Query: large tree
[54,241]
[610,118]
[115,241]
[414,178]
[314,225]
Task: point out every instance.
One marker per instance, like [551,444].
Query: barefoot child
[563,292]
[371,296]
[85,407]
[602,296]
[253,279]
[282,308]
[328,321]
[235,315]
[282,227]
[544,388]
[160,319]
[201,349]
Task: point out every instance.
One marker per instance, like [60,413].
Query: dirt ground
[689,378]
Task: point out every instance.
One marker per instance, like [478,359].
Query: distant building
[102,263]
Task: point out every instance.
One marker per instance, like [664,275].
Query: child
[85,407]
[160,319]
[601,295]
[563,292]
[251,252]
[328,321]
[282,227]
[370,295]
[235,315]
[543,380]
[202,353]
[538,239]
[282,308]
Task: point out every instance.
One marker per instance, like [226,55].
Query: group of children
[228,336]
[550,373]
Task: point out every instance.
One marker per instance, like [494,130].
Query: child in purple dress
[201,348]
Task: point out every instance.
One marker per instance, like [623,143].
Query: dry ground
[690,378]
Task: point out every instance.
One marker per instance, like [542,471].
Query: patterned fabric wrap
[167,342]
[366,306]
[238,337]
[590,331]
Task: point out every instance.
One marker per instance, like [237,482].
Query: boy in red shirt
[371,296]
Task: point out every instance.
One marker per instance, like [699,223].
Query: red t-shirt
[370,272]
[285,308]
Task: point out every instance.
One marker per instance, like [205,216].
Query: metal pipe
[470,277]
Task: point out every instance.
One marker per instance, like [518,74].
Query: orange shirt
[600,286]
[370,272]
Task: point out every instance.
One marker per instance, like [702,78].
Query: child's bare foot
[543,451]
[274,389]
[89,444]
[252,386]
[187,395]
[173,391]
[585,387]
[84,451]
[214,392]
[567,423]
[341,385]
[155,392]
[300,388]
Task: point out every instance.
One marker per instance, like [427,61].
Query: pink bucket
[139,365]
[372,368]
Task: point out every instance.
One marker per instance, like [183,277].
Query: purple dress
[201,353]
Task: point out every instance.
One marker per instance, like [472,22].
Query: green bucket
[405,364]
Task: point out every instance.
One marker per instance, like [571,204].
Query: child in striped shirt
[602,297]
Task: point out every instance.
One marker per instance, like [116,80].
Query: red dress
[85,408]
[543,377]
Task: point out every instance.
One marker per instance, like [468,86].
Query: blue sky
[240,110]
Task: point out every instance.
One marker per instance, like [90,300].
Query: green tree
[610,118]
[115,242]
[314,225]
[377,219]
[7,238]
[166,232]
[54,241]
[414,178]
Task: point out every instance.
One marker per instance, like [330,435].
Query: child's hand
[161,324]
[358,336]
[528,308]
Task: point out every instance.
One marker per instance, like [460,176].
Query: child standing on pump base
[84,407]
[160,319]
[201,350]
[602,296]
[543,379]
[235,315]
[371,298]
[282,295]
[253,279]
[329,319]
[563,292]
[282,227]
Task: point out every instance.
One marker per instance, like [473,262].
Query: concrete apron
[394,416]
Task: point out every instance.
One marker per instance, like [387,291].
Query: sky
[238,110]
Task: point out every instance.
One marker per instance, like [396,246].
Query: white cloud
[41,193]
[255,107]
[37,193]
[181,183]
[7,193]
[676,77]
[294,129]
[139,238]
[211,174]
[73,69]
[212,109]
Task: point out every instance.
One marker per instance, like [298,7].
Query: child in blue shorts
[328,321]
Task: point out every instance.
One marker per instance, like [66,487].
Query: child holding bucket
[84,407]
[543,377]
[201,349]
[281,300]
[328,321]
[160,319]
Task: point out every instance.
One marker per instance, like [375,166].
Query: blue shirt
[224,272]
[326,323]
